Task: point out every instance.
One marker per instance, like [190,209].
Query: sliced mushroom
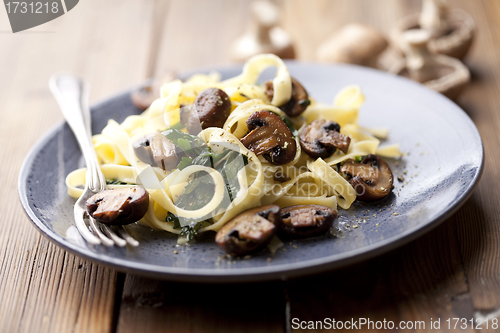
[322,137]
[306,220]
[355,43]
[211,108]
[156,149]
[452,30]
[264,35]
[444,74]
[297,104]
[119,206]
[270,136]
[372,178]
[250,231]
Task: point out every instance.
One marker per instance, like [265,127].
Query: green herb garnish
[116,182]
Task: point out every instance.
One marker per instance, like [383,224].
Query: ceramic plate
[443,164]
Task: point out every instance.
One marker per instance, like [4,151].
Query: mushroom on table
[356,44]
[264,35]
[451,30]
[444,74]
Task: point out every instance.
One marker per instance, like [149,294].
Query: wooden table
[451,272]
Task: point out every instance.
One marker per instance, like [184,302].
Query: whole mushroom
[269,136]
[264,35]
[322,138]
[444,74]
[211,108]
[249,231]
[119,206]
[371,178]
[451,30]
[355,43]
[306,220]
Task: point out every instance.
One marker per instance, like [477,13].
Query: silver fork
[71,94]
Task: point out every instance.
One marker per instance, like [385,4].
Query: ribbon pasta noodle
[305,180]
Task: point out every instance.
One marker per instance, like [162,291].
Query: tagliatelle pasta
[235,178]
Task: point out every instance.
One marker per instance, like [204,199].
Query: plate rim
[262,273]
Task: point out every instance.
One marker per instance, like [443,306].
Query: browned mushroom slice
[297,104]
[211,108]
[270,136]
[119,206]
[250,231]
[306,220]
[372,178]
[156,149]
[322,137]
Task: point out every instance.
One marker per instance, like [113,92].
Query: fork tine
[111,234]
[84,231]
[105,240]
[130,240]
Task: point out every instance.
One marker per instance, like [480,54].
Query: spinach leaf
[190,144]
[116,182]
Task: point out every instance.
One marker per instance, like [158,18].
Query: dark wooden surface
[453,271]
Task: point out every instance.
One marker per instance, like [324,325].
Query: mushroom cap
[456,44]
[322,137]
[306,220]
[355,43]
[372,179]
[249,231]
[270,136]
[119,206]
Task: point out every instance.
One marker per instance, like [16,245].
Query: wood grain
[453,271]
[42,287]
[157,306]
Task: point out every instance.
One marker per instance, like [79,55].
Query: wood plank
[159,306]
[417,282]
[42,287]
[479,228]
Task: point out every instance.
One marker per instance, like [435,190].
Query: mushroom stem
[433,17]
[263,35]
[444,74]
[419,61]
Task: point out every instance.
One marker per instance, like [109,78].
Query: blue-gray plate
[442,165]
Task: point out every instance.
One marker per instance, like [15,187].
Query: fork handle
[71,94]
